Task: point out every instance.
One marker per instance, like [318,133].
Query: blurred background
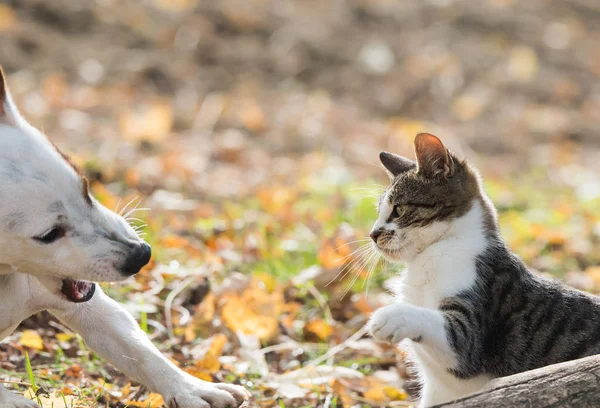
[251,129]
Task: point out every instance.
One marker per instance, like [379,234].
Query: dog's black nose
[139,258]
[375,234]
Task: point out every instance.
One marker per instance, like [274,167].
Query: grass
[290,236]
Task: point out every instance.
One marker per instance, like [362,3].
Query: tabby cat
[470,309]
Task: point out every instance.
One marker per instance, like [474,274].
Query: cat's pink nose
[374,235]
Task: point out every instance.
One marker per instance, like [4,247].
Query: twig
[15,383]
[288,346]
[334,350]
[322,302]
[169,303]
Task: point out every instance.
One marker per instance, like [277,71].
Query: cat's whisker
[371,272]
[356,276]
[354,253]
[352,242]
[358,261]
[359,254]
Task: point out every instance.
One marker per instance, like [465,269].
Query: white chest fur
[446,267]
[443,269]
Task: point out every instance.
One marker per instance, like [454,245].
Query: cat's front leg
[399,321]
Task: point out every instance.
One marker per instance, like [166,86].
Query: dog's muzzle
[139,257]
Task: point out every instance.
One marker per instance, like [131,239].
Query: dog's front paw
[196,393]
[10,400]
[396,322]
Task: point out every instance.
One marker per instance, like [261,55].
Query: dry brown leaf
[340,387]
[203,315]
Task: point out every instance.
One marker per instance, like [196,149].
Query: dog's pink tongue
[78,291]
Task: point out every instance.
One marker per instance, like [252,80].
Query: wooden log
[571,384]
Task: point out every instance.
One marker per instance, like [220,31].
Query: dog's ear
[8,112]
[3,92]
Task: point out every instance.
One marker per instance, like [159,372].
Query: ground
[250,130]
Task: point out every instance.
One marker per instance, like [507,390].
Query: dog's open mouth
[78,291]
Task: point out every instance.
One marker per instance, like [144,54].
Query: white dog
[55,240]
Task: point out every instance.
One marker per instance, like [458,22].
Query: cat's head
[424,200]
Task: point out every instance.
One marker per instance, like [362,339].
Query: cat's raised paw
[394,323]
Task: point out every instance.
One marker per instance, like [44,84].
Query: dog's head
[50,225]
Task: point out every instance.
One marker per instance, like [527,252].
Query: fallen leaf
[315,375]
[256,311]
[153,401]
[54,401]
[32,339]
[319,328]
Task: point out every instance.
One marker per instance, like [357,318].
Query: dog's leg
[11,400]
[113,333]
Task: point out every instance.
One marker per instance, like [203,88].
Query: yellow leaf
[203,315]
[256,311]
[210,364]
[31,339]
[394,394]
[377,391]
[319,328]
[64,337]
[153,401]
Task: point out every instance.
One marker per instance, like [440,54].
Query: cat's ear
[432,156]
[395,164]
[8,112]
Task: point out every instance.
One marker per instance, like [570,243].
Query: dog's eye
[51,235]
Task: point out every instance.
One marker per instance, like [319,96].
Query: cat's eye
[395,212]
[53,234]
[422,205]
